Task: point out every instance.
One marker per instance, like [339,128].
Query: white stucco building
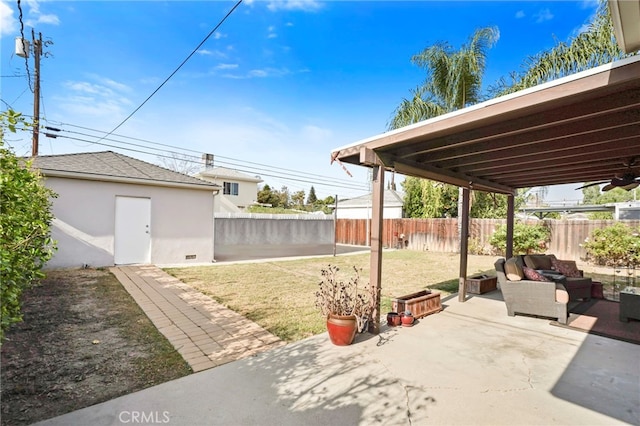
[239,190]
[113,209]
[360,207]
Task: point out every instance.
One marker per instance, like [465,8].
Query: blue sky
[271,92]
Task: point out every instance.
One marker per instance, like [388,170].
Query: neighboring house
[360,207]
[238,189]
[114,209]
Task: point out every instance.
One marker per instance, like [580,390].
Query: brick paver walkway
[204,332]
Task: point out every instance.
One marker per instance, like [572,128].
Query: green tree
[284,199]
[297,198]
[312,199]
[269,196]
[526,238]
[25,233]
[616,245]
[329,201]
[453,81]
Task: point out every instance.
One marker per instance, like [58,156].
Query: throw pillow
[538,261]
[533,275]
[568,268]
[513,270]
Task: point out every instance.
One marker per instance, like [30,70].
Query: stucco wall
[181,222]
[256,230]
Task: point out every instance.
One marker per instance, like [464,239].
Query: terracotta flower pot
[393,319]
[342,329]
[407,320]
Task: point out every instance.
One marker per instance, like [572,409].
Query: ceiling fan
[627,180]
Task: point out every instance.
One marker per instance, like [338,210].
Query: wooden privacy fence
[442,234]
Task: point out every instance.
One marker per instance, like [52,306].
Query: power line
[296,179]
[176,70]
[249,170]
[233,162]
[24,45]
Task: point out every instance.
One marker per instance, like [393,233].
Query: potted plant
[346,305]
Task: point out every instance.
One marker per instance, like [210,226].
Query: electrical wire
[176,70]
[223,160]
[289,177]
[24,45]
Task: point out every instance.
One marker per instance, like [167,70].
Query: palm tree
[454,79]
[593,47]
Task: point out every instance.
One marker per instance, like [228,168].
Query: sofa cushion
[533,275]
[567,268]
[539,261]
[561,294]
[512,270]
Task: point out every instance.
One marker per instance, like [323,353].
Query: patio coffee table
[630,304]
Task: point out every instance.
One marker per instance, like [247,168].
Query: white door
[132,231]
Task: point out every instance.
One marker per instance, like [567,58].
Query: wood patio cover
[580,128]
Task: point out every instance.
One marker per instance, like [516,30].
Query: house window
[230,188]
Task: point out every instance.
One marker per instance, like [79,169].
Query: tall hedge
[25,219]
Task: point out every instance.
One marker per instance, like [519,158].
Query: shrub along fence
[442,234]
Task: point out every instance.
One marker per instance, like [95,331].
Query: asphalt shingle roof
[109,164]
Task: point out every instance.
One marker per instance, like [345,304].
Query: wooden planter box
[420,304]
[481,284]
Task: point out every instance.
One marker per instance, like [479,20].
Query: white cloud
[215,53]
[520,14]
[8,24]
[34,6]
[258,73]
[304,5]
[269,72]
[36,17]
[100,97]
[48,19]
[543,15]
[218,36]
[226,66]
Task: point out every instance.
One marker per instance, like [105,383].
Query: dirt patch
[83,341]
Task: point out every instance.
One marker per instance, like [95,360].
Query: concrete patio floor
[470,364]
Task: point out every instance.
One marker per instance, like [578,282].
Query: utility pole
[37,52]
[22,49]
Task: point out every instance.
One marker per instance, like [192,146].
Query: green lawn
[280,295]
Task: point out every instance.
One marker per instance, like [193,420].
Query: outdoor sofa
[578,286]
[526,296]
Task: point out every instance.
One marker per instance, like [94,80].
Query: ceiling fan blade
[608,187]
[630,186]
[593,184]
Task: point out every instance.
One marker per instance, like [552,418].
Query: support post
[463,216]
[510,225]
[335,225]
[375,271]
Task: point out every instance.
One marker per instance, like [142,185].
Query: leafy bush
[616,245]
[25,243]
[526,238]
